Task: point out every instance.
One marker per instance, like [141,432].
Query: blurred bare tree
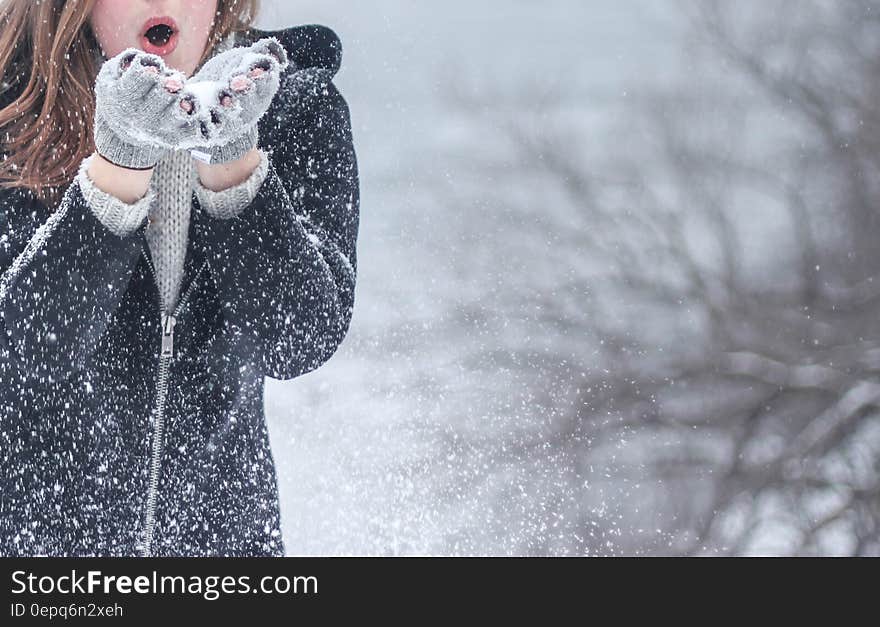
[707,278]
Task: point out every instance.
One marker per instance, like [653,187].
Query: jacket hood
[309,47]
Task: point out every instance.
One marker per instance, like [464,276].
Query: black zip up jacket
[125,430]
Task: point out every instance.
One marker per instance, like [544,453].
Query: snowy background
[606,305]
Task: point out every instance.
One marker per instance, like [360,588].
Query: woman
[179,214]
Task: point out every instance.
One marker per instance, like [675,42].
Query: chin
[176,62]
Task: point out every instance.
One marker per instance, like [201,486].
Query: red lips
[159,35]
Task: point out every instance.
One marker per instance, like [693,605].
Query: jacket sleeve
[63,276]
[285,265]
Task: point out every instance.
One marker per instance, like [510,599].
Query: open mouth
[159,35]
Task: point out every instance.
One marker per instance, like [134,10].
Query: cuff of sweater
[230,202]
[119,217]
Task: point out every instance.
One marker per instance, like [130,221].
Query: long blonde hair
[47,130]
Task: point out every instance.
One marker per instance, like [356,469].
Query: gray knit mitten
[138,111]
[232,91]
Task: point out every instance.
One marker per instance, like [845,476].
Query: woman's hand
[140,109]
[231,92]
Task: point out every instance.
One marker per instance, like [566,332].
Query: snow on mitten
[232,91]
[138,112]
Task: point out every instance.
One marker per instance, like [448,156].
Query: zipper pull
[168,323]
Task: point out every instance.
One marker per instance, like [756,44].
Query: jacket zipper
[166,355]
